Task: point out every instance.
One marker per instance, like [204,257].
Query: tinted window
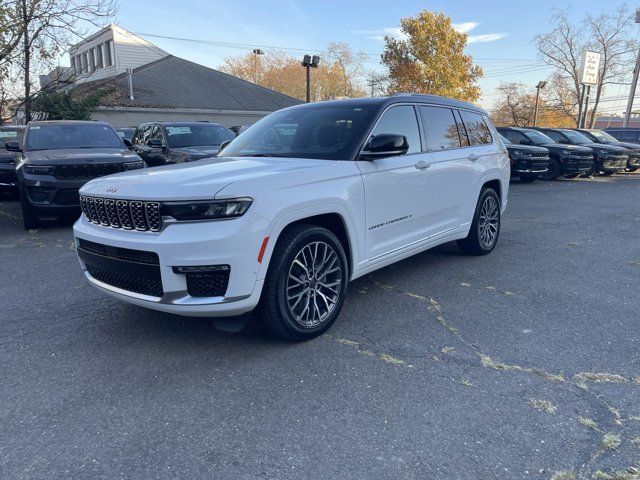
[310,131]
[513,136]
[9,135]
[538,138]
[440,127]
[400,120]
[600,136]
[555,136]
[464,138]
[196,134]
[626,135]
[58,136]
[476,127]
[576,138]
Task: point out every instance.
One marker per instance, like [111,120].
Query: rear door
[399,190]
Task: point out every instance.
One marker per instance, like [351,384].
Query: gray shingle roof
[177,83]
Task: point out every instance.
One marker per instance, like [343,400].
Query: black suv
[628,134]
[599,136]
[608,159]
[8,180]
[527,162]
[567,160]
[56,158]
[160,143]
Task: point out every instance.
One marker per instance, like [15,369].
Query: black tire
[475,243]
[608,174]
[631,169]
[553,172]
[278,311]
[29,219]
[528,178]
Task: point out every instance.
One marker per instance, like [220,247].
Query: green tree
[66,105]
[431,59]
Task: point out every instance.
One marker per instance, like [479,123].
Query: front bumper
[235,243]
[577,164]
[8,178]
[47,195]
[614,163]
[529,165]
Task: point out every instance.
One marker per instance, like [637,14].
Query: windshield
[538,138]
[576,138]
[603,137]
[79,135]
[504,139]
[322,132]
[200,134]
[125,132]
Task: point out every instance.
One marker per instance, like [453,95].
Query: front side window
[156,133]
[309,131]
[400,120]
[477,130]
[199,134]
[59,136]
[440,128]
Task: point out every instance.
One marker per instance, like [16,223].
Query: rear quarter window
[440,128]
[477,129]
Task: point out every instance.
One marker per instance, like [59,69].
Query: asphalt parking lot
[521,364]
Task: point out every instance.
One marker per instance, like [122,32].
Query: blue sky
[501,31]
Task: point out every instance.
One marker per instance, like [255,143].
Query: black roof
[173,82]
[398,98]
[66,122]
[517,129]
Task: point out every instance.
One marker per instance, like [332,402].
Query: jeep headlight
[207,209]
[38,169]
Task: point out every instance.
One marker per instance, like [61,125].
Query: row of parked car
[548,153]
[58,157]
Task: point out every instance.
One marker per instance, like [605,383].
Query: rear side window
[626,136]
[401,120]
[441,129]
[477,129]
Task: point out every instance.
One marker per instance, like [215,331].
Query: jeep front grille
[125,214]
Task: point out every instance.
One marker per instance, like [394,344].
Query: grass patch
[587,422]
[563,475]
[611,441]
[542,405]
[599,377]
[617,475]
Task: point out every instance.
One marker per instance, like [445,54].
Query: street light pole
[256,52]
[634,82]
[309,62]
[541,84]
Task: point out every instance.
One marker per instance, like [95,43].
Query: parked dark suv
[567,160]
[599,136]
[160,143]
[629,134]
[527,162]
[608,159]
[56,158]
[8,180]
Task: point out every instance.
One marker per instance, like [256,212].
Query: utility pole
[309,62]
[256,52]
[634,82]
[585,109]
[541,84]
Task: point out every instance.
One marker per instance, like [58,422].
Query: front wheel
[306,283]
[553,171]
[485,227]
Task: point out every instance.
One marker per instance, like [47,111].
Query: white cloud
[489,37]
[464,27]
[381,33]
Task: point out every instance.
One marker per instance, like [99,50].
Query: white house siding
[132,116]
[127,51]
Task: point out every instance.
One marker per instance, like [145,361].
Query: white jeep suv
[307,199]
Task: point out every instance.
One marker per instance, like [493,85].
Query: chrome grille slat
[124,214]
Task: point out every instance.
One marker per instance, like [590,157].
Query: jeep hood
[202,179]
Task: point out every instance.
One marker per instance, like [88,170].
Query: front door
[399,190]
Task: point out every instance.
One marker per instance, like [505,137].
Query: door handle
[473,157]
[422,165]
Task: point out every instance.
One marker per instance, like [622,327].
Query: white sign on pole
[589,68]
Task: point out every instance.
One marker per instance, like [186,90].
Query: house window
[84,62]
[108,57]
[99,61]
[92,61]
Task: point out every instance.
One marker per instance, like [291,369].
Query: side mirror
[525,142]
[127,143]
[12,146]
[155,143]
[222,146]
[385,145]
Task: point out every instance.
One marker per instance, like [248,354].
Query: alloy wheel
[489,222]
[314,284]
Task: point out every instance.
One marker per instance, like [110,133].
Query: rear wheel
[553,171]
[306,284]
[485,227]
